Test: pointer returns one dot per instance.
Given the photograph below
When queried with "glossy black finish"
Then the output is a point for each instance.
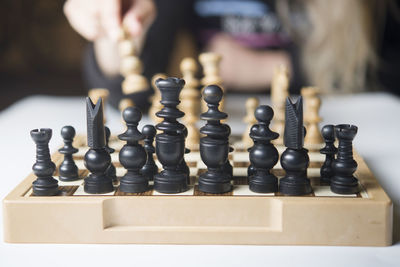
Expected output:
(295, 163)
(68, 170)
(132, 156)
(182, 166)
(343, 181)
(95, 124)
(97, 160)
(294, 160)
(45, 184)
(250, 170)
(111, 171)
(263, 155)
(328, 133)
(150, 168)
(170, 145)
(228, 168)
(214, 147)
(294, 130)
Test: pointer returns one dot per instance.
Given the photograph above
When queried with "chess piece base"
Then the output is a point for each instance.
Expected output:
(170, 182)
(45, 188)
(134, 183)
(288, 186)
(215, 183)
(344, 185)
(98, 184)
(263, 184)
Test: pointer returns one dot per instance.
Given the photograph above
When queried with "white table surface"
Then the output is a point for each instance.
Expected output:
(376, 114)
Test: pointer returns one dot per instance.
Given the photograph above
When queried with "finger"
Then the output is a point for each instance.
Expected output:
(139, 16)
(110, 18)
(82, 18)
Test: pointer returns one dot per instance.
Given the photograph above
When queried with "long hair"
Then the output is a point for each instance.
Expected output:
(337, 40)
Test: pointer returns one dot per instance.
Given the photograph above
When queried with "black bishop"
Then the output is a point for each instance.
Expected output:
(214, 147)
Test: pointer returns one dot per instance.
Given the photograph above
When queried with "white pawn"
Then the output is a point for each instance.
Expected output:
(131, 66)
(311, 116)
(190, 99)
(211, 64)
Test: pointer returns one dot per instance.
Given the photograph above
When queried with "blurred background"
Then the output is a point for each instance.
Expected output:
(40, 52)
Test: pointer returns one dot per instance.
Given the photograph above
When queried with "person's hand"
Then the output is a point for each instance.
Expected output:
(95, 19)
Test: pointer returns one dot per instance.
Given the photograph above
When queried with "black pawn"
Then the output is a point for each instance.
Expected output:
(111, 171)
(294, 159)
(343, 181)
(45, 184)
(170, 145)
(97, 159)
(263, 155)
(132, 155)
(68, 170)
(150, 168)
(214, 147)
(328, 133)
(250, 170)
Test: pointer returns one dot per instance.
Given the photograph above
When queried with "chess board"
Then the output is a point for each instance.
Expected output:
(194, 217)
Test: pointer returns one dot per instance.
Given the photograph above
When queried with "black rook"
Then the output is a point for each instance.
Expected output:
(343, 181)
(45, 184)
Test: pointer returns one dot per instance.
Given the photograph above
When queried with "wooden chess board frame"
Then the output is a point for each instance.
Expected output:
(241, 217)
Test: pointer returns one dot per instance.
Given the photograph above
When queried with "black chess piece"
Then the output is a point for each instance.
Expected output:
(344, 166)
(132, 155)
(45, 184)
(250, 170)
(111, 171)
(294, 159)
(214, 147)
(263, 154)
(328, 133)
(68, 170)
(97, 159)
(182, 166)
(170, 145)
(150, 168)
(228, 169)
